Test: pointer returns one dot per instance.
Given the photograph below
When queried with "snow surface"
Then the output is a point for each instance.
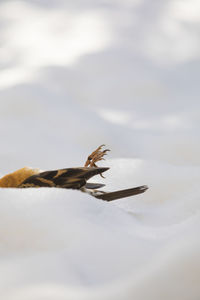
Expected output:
(75, 75)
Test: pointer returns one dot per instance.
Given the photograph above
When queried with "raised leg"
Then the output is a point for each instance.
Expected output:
(96, 156)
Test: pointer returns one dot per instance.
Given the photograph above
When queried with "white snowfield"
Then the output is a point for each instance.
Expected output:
(76, 74)
(64, 244)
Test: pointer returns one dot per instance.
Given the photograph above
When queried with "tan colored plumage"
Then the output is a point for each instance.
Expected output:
(16, 178)
(70, 178)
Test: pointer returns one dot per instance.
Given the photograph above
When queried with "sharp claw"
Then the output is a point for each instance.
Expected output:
(96, 156)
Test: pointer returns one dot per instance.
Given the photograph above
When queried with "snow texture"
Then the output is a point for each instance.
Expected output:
(75, 75)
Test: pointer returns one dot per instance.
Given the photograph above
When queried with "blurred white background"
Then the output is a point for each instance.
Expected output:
(76, 74)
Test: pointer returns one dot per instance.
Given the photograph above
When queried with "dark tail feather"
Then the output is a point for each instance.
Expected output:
(123, 193)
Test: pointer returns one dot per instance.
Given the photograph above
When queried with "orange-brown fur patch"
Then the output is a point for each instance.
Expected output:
(16, 178)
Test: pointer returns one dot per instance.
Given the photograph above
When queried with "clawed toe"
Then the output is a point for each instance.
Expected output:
(96, 156)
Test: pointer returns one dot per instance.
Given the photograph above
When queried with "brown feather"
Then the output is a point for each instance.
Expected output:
(72, 178)
(122, 193)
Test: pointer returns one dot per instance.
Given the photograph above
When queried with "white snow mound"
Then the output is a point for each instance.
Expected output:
(65, 244)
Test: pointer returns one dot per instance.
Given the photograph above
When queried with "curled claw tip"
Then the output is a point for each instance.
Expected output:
(104, 151)
(99, 148)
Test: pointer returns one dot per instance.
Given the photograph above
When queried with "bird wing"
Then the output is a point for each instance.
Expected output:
(76, 178)
(72, 178)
